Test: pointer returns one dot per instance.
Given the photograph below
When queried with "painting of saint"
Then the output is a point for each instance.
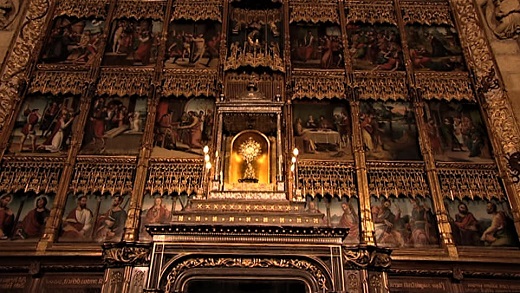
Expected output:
(193, 45)
(115, 126)
(183, 127)
(316, 46)
(482, 223)
(73, 41)
(33, 217)
(344, 213)
(156, 210)
(133, 43)
(44, 125)
(434, 48)
(322, 131)
(457, 132)
(375, 47)
(404, 222)
(389, 131)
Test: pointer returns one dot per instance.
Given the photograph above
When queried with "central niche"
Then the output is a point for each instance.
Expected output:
(249, 160)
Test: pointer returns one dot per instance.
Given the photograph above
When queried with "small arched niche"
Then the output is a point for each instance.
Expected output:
(250, 158)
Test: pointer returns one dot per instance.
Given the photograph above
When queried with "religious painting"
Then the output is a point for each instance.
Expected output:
(73, 41)
(23, 215)
(115, 126)
(389, 131)
(481, 223)
(322, 130)
(193, 44)
(133, 42)
(404, 222)
(457, 132)
(375, 47)
(344, 213)
(316, 46)
(94, 218)
(44, 125)
(183, 127)
(434, 48)
(161, 210)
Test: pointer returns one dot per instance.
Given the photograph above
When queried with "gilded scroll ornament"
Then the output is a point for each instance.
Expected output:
(115, 176)
(319, 86)
(314, 11)
(175, 176)
(375, 12)
(382, 85)
(198, 10)
(20, 56)
(502, 17)
(199, 83)
(140, 9)
(316, 272)
(82, 9)
(58, 82)
(367, 257)
(417, 12)
(470, 181)
(327, 178)
(254, 56)
(396, 179)
(37, 174)
(444, 86)
(125, 255)
(124, 82)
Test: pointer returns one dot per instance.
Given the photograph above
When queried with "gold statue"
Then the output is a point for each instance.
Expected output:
(250, 149)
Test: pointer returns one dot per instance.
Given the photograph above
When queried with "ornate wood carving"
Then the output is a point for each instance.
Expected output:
(386, 179)
(36, 174)
(140, 9)
(125, 82)
(124, 255)
(316, 85)
(190, 83)
(198, 10)
(332, 178)
(79, 9)
(176, 176)
(269, 85)
(314, 11)
(367, 257)
(59, 82)
(444, 86)
(373, 12)
(381, 85)
(418, 12)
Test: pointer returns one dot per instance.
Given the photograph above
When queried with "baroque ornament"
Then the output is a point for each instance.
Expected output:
(126, 255)
(367, 257)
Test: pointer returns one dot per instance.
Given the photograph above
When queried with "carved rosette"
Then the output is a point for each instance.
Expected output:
(192, 83)
(444, 86)
(322, 178)
(283, 263)
(198, 10)
(103, 175)
(36, 174)
(373, 12)
(175, 176)
(124, 82)
(314, 11)
(19, 57)
(459, 181)
(319, 86)
(385, 179)
(79, 9)
(58, 82)
(417, 12)
(368, 257)
(140, 9)
(116, 255)
(381, 85)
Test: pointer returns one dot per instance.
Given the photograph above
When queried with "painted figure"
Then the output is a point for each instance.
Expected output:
(77, 224)
(465, 227)
(110, 226)
(33, 224)
(6, 216)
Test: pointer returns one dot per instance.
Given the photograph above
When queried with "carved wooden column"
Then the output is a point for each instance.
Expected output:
(127, 267)
(365, 269)
(503, 128)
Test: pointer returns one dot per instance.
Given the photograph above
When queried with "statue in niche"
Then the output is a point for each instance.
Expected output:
(502, 17)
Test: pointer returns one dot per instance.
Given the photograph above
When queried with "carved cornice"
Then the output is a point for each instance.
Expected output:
(105, 160)
(58, 82)
(331, 178)
(368, 257)
(140, 9)
(14, 76)
(444, 86)
(168, 178)
(397, 179)
(316, 85)
(373, 12)
(82, 9)
(470, 183)
(109, 177)
(314, 11)
(126, 254)
(190, 83)
(36, 175)
(198, 10)
(381, 85)
(121, 82)
(419, 12)
(247, 16)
